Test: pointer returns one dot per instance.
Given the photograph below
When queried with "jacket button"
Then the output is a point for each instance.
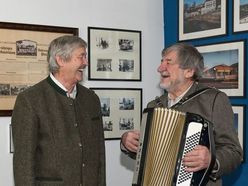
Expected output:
(75, 124)
(80, 145)
(83, 164)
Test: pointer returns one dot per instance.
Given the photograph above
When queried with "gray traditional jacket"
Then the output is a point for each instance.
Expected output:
(58, 141)
(214, 106)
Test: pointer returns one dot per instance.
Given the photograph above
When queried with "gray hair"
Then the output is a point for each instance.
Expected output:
(188, 57)
(63, 46)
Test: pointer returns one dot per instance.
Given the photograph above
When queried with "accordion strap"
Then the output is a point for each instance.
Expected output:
(190, 97)
(183, 100)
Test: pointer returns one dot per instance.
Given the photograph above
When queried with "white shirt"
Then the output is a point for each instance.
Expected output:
(172, 102)
(72, 94)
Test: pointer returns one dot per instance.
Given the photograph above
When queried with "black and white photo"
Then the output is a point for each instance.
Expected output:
(126, 103)
(104, 65)
(108, 126)
(126, 124)
(105, 106)
(126, 65)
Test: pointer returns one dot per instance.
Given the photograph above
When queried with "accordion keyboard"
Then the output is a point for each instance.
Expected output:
(192, 139)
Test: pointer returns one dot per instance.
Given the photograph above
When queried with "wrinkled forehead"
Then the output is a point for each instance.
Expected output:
(79, 50)
(169, 54)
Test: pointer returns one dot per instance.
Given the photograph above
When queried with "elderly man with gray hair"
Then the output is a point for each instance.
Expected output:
(180, 69)
(57, 124)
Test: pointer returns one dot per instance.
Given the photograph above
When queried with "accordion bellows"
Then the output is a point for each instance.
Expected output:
(166, 133)
(161, 159)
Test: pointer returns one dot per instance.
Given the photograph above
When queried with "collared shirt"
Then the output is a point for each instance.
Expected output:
(172, 102)
(72, 94)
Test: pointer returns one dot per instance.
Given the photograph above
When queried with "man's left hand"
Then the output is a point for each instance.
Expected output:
(197, 159)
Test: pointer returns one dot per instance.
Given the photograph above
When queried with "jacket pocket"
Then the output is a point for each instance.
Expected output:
(47, 181)
(96, 118)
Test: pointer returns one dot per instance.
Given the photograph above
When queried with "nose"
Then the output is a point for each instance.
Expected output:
(162, 66)
(85, 62)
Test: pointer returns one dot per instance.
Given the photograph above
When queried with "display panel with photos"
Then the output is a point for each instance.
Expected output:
(121, 110)
(114, 54)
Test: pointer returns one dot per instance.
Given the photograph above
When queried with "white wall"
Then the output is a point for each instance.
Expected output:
(144, 15)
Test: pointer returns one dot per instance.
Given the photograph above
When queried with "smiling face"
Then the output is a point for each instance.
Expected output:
(173, 78)
(71, 71)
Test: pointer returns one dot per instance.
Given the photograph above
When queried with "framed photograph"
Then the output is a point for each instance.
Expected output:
(239, 122)
(201, 19)
(240, 15)
(23, 49)
(224, 67)
(121, 110)
(11, 145)
(114, 54)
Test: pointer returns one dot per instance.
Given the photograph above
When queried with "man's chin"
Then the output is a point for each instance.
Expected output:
(80, 77)
(163, 86)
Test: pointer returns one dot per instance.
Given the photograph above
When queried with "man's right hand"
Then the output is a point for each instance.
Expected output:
(130, 140)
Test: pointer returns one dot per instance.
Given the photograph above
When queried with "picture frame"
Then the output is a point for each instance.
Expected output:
(224, 67)
(114, 54)
(240, 15)
(121, 110)
(11, 145)
(239, 111)
(23, 49)
(201, 19)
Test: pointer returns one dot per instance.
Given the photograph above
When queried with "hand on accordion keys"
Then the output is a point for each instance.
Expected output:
(197, 159)
(130, 140)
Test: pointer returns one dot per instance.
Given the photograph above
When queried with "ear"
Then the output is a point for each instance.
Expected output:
(189, 73)
(59, 61)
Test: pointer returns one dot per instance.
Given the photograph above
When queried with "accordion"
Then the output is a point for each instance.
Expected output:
(166, 136)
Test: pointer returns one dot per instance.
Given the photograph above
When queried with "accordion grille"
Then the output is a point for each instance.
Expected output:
(163, 145)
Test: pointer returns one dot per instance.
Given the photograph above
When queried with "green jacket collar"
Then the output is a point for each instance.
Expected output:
(55, 86)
